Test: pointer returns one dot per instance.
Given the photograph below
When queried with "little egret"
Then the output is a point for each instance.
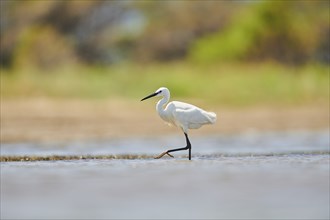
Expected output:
(182, 115)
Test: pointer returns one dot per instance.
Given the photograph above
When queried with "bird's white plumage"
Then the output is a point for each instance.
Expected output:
(180, 114)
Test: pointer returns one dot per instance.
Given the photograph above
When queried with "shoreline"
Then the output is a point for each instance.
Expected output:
(42, 120)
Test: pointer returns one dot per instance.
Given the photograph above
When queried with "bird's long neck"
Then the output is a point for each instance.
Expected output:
(160, 106)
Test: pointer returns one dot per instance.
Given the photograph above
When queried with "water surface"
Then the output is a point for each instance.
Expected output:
(252, 175)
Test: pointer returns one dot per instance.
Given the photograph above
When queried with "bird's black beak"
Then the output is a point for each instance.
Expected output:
(149, 96)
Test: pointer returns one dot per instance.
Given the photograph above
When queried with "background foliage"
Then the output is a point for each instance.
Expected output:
(231, 52)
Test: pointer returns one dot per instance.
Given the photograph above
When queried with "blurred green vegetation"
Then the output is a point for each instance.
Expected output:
(287, 31)
(219, 52)
(229, 84)
(49, 33)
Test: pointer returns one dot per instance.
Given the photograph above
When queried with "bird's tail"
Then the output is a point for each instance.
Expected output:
(212, 117)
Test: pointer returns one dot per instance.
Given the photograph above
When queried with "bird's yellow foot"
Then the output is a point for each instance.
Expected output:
(162, 154)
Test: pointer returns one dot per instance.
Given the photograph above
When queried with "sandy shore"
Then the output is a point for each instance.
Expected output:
(48, 120)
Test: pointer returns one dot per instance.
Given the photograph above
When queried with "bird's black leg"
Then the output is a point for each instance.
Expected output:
(188, 147)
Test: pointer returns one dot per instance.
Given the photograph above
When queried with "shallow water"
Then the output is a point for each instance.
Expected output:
(253, 175)
(247, 143)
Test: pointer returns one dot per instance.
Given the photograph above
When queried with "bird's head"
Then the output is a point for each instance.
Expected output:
(162, 91)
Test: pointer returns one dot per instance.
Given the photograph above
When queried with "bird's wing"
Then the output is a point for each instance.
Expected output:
(189, 116)
(192, 118)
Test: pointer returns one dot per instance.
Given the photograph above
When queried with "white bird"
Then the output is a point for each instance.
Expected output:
(182, 115)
